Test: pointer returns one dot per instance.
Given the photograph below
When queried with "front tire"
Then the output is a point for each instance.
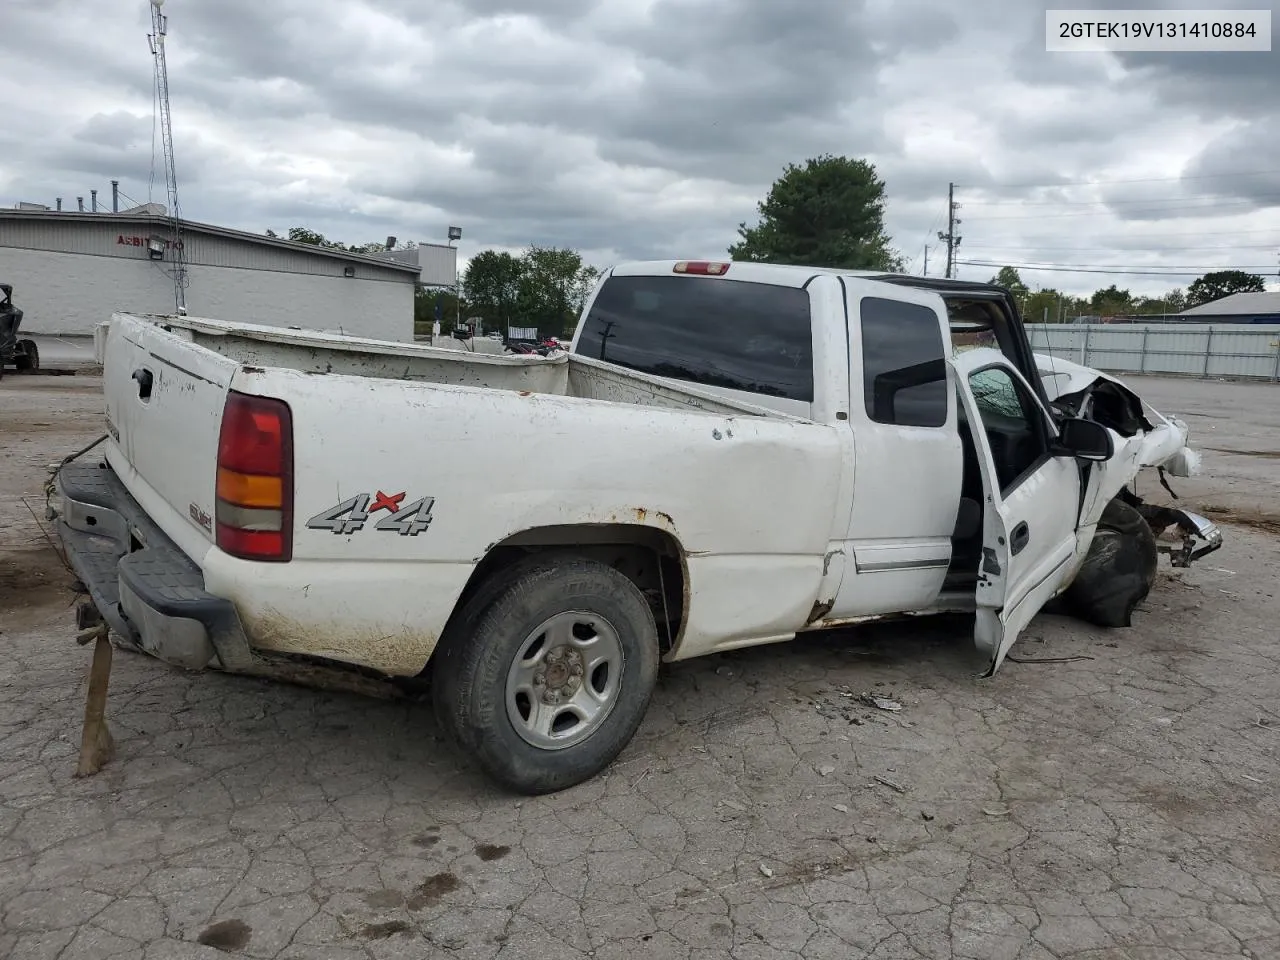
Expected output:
(1118, 571)
(548, 672)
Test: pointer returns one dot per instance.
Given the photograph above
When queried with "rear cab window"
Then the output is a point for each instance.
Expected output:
(751, 338)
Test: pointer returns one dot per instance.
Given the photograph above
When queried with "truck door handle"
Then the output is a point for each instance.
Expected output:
(144, 379)
(1020, 537)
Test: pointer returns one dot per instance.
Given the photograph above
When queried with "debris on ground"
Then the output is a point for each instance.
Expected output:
(891, 785)
(881, 703)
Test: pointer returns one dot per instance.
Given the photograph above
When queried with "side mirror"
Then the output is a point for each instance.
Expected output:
(1084, 440)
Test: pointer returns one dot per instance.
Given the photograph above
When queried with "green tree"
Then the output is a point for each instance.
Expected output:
(379, 246)
(425, 300)
(827, 213)
(306, 235)
(1111, 302)
(1050, 303)
(553, 286)
(1010, 279)
(491, 285)
(1175, 301)
(315, 239)
(368, 249)
(1223, 283)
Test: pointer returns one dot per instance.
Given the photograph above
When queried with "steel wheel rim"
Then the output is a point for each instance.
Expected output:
(564, 680)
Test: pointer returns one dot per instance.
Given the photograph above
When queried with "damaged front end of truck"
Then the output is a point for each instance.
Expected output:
(1145, 440)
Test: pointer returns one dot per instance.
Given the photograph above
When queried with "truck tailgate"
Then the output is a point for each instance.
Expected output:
(165, 397)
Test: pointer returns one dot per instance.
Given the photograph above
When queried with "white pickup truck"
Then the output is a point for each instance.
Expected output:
(727, 455)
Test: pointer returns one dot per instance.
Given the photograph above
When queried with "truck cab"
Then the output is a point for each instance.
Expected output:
(964, 488)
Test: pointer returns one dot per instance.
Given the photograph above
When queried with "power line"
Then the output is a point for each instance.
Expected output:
(1118, 271)
(1025, 245)
(928, 233)
(1091, 183)
(1174, 209)
(1139, 266)
(1164, 233)
(1093, 203)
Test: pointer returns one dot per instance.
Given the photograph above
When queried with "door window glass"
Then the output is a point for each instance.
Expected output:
(1012, 422)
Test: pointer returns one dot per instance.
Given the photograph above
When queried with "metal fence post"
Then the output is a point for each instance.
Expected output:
(1276, 374)
(1084, 347)
(1208, 349)
(1142, 353)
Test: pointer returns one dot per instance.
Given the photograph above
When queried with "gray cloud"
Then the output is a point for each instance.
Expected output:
(647, 128)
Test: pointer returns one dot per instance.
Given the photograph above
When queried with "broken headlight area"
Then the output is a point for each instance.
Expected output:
(1200, 536)
(1109, 404)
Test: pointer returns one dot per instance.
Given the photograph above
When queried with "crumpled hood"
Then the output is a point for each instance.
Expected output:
(1161, 440)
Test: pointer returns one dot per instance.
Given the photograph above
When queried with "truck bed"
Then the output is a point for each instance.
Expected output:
(565, 375)
(393, 470)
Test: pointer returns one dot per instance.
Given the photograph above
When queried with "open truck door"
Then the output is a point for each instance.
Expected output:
(1032, 496)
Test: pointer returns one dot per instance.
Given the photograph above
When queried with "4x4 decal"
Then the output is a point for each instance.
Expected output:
(351, 515)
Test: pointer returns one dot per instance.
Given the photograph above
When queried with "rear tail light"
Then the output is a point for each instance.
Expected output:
(255, 479)
(702, 268)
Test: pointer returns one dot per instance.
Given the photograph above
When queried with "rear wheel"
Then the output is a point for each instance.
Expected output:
(1118, 571)
(547, 673)
(27, 359)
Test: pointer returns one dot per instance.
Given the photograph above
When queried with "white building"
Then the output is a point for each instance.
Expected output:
(71, 270)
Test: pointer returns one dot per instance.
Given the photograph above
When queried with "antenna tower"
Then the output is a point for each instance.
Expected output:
(159, 30)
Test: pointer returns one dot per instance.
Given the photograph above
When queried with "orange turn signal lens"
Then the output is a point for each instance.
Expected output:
(250, 490)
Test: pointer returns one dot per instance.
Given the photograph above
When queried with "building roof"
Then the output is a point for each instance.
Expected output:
(1237, 303)
(149, 220)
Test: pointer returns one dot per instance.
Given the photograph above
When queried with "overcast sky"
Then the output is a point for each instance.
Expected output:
(651, 128)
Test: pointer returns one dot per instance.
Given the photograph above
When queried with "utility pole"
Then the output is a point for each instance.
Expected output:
(606, 336)
(160, 30)
(455, 233)
(926, 259)
(951, 239)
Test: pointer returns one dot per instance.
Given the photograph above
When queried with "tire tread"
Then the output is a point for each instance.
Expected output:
(472, 649)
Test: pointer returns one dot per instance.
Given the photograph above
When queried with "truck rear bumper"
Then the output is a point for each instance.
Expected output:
(144, 586)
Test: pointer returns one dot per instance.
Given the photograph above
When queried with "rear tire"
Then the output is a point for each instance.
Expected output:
(547, 672)
(1118, 571)
(27, 360)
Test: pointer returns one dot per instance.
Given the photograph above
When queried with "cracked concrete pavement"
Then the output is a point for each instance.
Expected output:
(1120, 806)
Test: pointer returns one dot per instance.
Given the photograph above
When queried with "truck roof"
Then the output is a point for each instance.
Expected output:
(797, 275)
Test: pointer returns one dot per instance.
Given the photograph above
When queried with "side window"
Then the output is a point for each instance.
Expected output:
(903, 364)
(1012, 421)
